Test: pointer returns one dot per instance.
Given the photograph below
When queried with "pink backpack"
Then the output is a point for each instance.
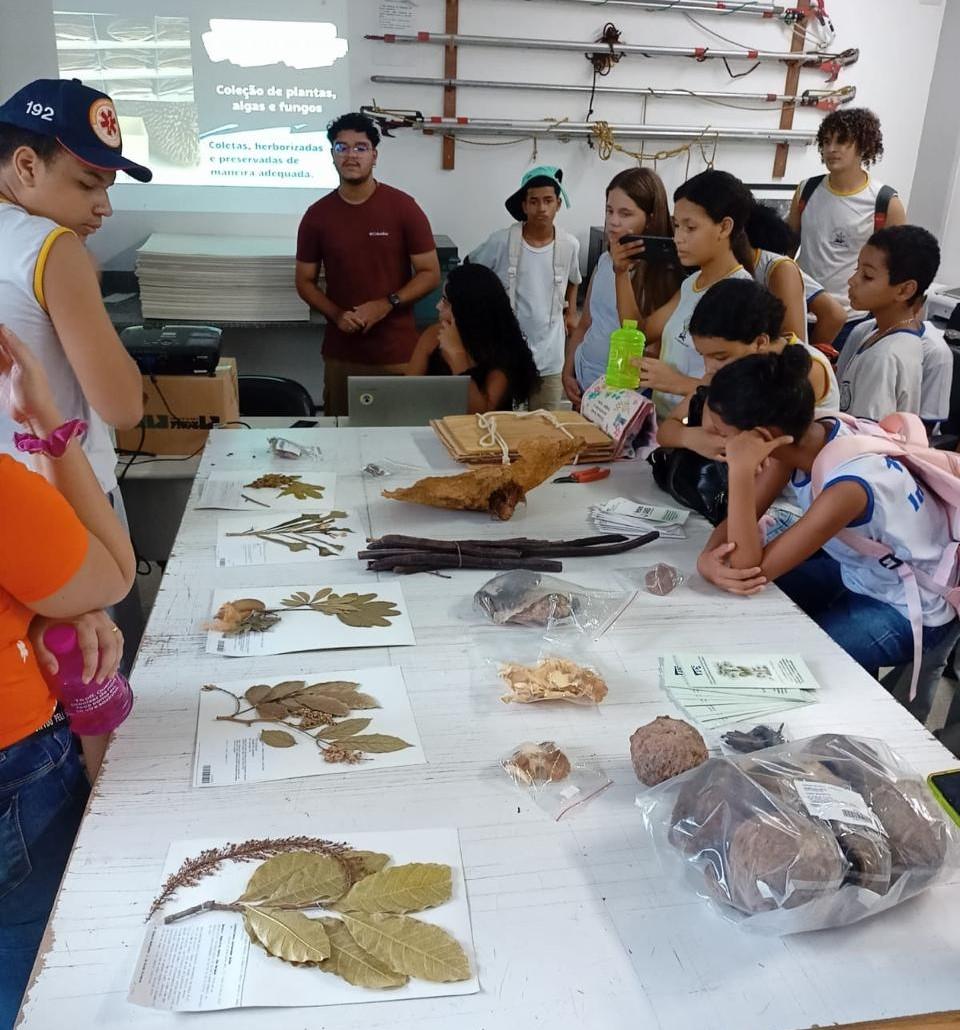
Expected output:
(902, 436)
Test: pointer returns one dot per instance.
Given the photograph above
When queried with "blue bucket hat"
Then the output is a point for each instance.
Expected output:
(82, 120)
(514, 203)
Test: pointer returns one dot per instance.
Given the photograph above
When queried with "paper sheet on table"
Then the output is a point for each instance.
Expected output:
(228, 753)
(737, 671)
(228, 492)
(233, 549)
(621, 515)
(310, 630)
(167, 970)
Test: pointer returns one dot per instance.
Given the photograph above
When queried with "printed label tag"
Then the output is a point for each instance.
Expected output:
(831, 803)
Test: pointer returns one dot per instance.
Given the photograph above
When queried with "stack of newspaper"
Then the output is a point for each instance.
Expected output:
(219, 278)
(634, 518)
(719, 690)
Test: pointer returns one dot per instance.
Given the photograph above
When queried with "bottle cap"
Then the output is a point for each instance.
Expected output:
(629, 323)
(61, 638)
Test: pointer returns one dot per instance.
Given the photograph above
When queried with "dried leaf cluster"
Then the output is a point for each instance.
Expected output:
(251, 615)
(316, 530)
(552, 679)
(301, 707)
(372, 941)
(289, 486)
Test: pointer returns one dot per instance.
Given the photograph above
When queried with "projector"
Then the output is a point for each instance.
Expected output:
(174, 350)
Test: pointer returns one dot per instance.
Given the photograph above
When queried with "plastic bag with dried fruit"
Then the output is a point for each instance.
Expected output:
(550, 780)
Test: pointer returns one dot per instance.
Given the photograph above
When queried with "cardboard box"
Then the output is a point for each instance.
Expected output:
(179, 411)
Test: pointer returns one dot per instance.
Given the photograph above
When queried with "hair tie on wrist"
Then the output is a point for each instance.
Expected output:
(55, 444)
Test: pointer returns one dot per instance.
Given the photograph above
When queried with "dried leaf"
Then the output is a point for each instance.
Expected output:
(301, 596)
(320, 594)
(359, 702)
(297, 878)
(341, 730)
(335, 688)
(285, 689)
(366, 863)
(375, 743)
(302, 491)
(409, 946)
(287, 935)
(272, 710)
(350, 962)
(277, 738)
(405, 888)
(327, 705)
(256, 694)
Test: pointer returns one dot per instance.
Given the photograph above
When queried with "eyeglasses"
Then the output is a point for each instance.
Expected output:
(356, 148)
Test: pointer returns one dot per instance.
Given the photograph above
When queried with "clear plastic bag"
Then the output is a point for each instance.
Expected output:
(524, 598)
(660, 579)
(809, 835)
(522, 668)
(546, 775)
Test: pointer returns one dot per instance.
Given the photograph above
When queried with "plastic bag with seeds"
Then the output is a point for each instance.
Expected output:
(550, 780)
(810, 835)
(524, 598)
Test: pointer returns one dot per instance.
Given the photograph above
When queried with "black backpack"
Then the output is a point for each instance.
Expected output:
(690, 479)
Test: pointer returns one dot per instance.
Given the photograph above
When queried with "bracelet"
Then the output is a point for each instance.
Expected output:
(55, 444)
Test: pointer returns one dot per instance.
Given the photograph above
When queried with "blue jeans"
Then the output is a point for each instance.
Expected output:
(872, 632)
(43, 791)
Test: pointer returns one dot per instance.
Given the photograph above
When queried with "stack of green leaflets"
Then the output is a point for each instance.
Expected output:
(718, 690)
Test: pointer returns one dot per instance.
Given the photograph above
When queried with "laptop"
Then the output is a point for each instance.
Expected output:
(405, 400)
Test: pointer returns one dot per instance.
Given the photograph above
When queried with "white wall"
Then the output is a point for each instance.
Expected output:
(897, 40)
(936, 184)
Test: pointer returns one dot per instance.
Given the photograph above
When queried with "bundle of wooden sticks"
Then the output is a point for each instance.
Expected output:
(408, 554)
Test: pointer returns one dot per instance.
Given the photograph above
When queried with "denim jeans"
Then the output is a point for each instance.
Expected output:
(43, 791)
(872, 632)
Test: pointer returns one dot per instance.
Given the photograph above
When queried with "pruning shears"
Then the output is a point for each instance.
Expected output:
(589, 475)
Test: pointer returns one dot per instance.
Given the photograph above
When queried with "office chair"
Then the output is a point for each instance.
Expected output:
(273, 395)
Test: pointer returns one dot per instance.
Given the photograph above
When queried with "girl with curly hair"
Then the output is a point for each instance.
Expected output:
(478, 335)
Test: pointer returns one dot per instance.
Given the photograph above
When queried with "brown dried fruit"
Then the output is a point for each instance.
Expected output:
(664, 748)
(535, 764)
(552, 679)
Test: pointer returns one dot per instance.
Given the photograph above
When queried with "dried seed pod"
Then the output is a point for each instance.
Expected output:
(665, 747)
(536, 764)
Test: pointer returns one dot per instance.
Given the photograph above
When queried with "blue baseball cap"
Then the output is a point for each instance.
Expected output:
(82, 120)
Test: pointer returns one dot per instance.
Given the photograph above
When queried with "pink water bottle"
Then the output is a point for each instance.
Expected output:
(95, 707)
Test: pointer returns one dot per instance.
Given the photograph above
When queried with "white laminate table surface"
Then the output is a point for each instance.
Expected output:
(575, 924)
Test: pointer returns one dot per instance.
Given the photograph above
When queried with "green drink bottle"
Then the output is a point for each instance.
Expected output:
(626, 343)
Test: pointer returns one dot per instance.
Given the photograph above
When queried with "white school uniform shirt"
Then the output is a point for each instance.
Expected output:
(25, 242)
(883, 377)
(535, 308)
(900, 514)
(936, 379)
(676, 343)
(590, 360)
(765, 261)
(829, 400)
(833, 228)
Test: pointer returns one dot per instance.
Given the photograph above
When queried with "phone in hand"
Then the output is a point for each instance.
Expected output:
(945, 787)
(656, 249)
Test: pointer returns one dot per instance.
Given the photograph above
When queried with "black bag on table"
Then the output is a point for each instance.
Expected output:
(695, 482)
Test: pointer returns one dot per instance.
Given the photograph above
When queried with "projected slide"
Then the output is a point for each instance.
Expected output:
(211, 100)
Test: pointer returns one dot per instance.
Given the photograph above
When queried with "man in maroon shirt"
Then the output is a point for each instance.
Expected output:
(376, 248)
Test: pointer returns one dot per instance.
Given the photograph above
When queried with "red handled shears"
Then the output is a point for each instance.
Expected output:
(589, 475)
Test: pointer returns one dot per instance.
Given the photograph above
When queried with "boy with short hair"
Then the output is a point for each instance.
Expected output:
(880, 369)
(836, 213)
(539, 265)
(60, 150)
(59, 154)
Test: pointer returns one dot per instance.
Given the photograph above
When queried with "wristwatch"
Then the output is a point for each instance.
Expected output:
(394, 299)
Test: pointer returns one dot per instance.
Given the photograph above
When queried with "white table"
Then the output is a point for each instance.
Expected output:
(575, 925)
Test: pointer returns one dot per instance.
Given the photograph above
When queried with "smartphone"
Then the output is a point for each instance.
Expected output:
(946, 789)
(659, 249)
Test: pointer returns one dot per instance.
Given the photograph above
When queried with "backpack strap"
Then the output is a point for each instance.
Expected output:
(882, 204)
(562, 253)
(514, 241)
(808, 187)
